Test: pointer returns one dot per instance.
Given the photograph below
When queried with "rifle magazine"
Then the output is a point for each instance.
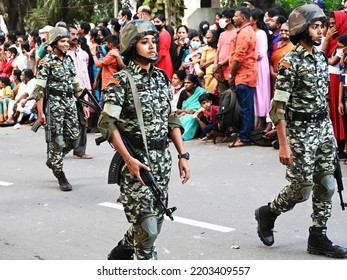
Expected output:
(115, 170)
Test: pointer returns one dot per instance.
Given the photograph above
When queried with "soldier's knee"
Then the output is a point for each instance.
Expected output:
(325, 186)
(60, 142)
(299, 192)
(146, 232)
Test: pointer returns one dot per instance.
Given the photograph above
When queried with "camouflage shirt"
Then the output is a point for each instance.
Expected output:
(302, 81)
(60, 75)
(155, 96)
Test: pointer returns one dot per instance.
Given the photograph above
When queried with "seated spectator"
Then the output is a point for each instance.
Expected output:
(177, 84)
(188, 104)
(16, 80)
(6, 94)
(206, 116)
(24, 103)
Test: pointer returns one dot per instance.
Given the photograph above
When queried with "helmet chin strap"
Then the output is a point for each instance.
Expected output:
(141, 58)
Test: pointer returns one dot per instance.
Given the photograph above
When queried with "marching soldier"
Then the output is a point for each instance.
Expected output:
(138, 46)
(307, 146)
(57, 75)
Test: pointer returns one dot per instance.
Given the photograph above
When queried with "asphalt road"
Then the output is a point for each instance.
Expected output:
(214, 220)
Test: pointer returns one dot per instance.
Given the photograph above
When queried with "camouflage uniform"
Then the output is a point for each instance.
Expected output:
(302, 84)
(155, 96)
(61, 76)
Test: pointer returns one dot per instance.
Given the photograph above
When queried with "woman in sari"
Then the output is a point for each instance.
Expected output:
(188, 104)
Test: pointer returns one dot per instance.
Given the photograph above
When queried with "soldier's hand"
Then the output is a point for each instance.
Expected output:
(134, 167)
(184, 169)
(285, 155)
(41, 118)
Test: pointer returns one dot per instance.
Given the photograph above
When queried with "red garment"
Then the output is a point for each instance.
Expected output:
(339, 122)
(341, 27)
(164, 50)
(7, 67)
(211, 116)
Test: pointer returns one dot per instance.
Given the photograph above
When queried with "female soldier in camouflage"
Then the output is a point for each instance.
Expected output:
(57, 75)
(300, 113)
(138, 46)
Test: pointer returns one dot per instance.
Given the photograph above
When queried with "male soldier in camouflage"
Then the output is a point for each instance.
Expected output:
(307, 146)
(57, 75)
(138, 46)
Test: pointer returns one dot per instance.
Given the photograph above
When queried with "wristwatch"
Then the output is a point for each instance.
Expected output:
(186, 156)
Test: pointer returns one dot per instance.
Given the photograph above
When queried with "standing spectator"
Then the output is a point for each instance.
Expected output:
(44, 48)
(263, 89)
(164, 57)
(305, 134)
(226, 38)
(83, 31)
(280, 49)
(193, 54)
(124, 16)
(160, 123)
(81, 62)
(244, 73)
(274, 23)
(206, 63)
(337, 26)
(179, 46)
(63, 85)
(144, 12)
(111, 63)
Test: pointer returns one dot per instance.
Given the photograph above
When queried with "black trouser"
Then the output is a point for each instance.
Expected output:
(80, 150)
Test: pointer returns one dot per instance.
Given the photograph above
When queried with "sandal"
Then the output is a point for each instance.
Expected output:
(238, 143)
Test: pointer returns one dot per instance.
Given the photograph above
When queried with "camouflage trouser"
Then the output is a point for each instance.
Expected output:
(138, 201)
(65, 129)
(313, 148)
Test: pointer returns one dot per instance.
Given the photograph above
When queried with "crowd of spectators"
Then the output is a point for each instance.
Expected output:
(207, 60)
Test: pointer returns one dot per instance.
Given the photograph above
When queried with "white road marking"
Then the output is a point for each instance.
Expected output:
(179, 219)
(5, 184)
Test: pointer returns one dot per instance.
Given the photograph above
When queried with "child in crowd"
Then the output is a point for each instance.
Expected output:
(206, 115)
(6, 93)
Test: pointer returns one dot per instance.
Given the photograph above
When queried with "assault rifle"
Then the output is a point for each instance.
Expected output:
(118, 162)
(338, 177)
(48, 126)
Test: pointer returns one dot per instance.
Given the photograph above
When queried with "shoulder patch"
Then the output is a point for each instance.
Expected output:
(284, 64)
(114, 81)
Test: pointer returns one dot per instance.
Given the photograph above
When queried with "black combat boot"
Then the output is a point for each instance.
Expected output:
(64, 185)
(319, 244)
(266, 222)
(49, 164)
(120, 253)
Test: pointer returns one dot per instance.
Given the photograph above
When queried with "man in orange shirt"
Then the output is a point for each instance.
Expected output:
(244, 73)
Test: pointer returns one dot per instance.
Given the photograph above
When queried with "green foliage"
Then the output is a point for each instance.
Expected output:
(289, 5)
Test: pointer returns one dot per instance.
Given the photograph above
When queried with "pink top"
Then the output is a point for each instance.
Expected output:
(224, 46)
(81, 60)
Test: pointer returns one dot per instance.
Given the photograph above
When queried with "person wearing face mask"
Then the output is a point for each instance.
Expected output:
(206, 63)
(221, 61)
(164, 61)
(192, 52)
(124, 16)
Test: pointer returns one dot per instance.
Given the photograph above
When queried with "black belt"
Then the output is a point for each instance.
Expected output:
(62, 93)
(307, 117)
(152, 144)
